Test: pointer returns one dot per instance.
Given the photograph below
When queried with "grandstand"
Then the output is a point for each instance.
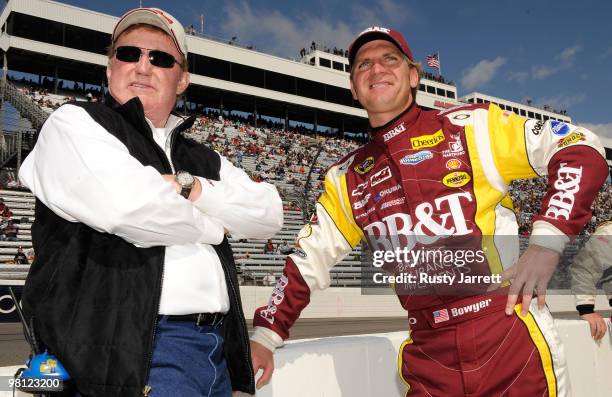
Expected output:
(281, 120)
(301, 111)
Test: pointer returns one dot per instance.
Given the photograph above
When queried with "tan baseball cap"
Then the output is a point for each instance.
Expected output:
(154, 17)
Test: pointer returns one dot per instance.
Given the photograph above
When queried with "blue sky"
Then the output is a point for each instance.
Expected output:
(552, 52)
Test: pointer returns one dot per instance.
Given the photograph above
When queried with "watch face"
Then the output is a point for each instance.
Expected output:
(184, 178)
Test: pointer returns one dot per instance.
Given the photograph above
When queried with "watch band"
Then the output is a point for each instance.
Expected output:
(186, 191)
(185, 186)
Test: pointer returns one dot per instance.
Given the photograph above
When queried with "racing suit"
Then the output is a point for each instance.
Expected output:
(424, 177)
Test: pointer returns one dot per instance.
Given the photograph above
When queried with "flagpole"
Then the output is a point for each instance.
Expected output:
(439, 65)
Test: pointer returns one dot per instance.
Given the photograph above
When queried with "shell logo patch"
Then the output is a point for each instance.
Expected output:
(453, 164)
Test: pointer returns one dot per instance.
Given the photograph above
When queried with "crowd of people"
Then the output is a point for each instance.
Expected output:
(286, 157)
(315, 46)
(9, 231)
(42, 94)
(527, 196)
(438, 78)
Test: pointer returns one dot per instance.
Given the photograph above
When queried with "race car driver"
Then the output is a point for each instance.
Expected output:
(427, 177)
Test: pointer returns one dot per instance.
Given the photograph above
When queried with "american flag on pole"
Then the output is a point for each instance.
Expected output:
(433, 60)
(440, 316)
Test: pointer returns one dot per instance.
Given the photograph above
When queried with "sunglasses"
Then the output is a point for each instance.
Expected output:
(157, 58)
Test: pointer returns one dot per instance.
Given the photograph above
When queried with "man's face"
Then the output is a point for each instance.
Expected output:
(382, 80)
(156, 87)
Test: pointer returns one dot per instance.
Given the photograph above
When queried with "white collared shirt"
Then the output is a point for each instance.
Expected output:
(85, 174)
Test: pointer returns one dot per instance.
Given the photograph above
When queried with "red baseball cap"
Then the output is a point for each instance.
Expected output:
(379, 33)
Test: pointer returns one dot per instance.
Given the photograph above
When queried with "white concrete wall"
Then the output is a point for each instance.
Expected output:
(366, 365)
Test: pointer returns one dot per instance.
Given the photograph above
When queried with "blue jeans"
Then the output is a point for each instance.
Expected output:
(188, 361)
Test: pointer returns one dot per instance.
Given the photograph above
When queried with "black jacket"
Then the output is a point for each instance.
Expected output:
(94, 297)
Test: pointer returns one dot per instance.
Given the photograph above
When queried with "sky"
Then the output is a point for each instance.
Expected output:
(556, 53)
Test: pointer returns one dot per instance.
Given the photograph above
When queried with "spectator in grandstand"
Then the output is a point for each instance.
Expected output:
(284, 248)
(416, 186)
(146, 290)
(5, 211)
(10, 231)
(592, 269)
(30, 254)
(20, 257)
(269, 247)
(269, 279)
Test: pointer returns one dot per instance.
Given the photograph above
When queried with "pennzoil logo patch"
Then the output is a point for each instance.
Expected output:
(427, 140)
(365, 166)
(571, 139)
(456, 179)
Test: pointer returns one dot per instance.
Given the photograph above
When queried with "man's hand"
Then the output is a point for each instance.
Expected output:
(262, 358)
(196, 190)
(531, 274)
(597, 324)
(170, 178)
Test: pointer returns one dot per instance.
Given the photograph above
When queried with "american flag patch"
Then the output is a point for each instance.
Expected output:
(440, 316)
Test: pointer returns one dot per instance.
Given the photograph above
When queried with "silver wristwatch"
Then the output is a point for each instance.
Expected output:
(185, 181)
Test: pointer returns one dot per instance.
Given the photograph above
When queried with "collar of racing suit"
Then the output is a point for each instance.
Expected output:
(396, 125)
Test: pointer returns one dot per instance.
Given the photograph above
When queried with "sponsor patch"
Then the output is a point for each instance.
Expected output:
(361, 203)
(375, 29)
(453, 164)
(537, 127)
(441, 218)
(427, 140)
(574, 137)
(416, 158)
(368, 212)
(461, 116)
(358, 191)
(456, 179)
(365, 166)
(392, 203)
(277, 297)
(455, 147)
(567, 185)
(394, 132)
(380, 176)
(559, 128)
(378, 196)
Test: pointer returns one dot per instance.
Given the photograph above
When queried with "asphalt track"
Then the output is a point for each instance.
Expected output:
(14, 349)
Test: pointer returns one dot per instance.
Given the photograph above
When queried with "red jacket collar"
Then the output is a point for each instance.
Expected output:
(397, 125)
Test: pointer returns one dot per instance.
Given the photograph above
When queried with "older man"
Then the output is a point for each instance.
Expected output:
(134, 286)
(430, 180)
